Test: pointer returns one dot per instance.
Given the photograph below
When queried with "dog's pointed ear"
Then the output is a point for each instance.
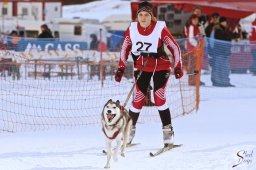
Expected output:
(110, 101)
(118, 103)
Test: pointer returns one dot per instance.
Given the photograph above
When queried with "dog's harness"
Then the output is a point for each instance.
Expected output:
(116, 133)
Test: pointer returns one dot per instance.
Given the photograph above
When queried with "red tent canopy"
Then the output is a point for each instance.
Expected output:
(234, 9)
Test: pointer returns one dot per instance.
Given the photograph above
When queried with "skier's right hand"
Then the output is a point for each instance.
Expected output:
(178, 72)
(119, 74)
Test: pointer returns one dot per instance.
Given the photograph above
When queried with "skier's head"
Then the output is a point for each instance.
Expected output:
(145, 14)
(145, 6)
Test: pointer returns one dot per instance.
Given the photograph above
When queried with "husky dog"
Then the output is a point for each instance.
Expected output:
(116, 125)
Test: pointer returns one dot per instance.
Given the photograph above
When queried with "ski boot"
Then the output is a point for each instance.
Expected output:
(168, 135)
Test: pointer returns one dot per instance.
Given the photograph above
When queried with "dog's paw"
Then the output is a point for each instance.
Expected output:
(106, 166)
(123, 154)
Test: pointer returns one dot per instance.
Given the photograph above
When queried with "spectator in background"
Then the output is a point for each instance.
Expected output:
(213, 22)
(3, 40)
(253, 46)
(220, 67)
(197, 12)
(94, 42)
(209, 33)
(244, 35)
(13, 41)
(237, 33)
(97, 45)
(203, 23)
(56, 34)
(46, 32)
(192, 34)
(103, 47)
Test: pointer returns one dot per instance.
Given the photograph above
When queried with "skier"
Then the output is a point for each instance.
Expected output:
(145, 40)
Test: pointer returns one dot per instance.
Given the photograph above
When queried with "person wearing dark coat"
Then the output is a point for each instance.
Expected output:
(46, 32)
(221, 50)
(208, 31)
(94, 42)
(214, 21)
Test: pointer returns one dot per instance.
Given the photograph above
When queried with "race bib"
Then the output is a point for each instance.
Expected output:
(142, 43)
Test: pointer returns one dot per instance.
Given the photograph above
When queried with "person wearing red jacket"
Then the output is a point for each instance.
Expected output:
(145, 39)
(192, 32)
(253, 45)
(192, 40)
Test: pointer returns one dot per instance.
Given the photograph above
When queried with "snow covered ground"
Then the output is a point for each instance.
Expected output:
(222, 128)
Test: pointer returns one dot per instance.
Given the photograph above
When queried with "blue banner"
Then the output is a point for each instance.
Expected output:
(28, 45)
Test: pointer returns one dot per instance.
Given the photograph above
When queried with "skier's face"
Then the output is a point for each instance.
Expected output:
(144, 19)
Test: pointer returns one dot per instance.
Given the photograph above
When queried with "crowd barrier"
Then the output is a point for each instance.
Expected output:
(56, 84)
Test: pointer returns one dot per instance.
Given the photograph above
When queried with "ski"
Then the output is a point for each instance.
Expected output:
(128, 146)
(164, 149)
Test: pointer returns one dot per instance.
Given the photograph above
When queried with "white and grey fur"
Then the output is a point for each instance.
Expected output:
(116, 126)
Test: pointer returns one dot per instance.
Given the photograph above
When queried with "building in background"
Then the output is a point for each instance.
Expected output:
(26, 16)
(31, 9)
(174, 17)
